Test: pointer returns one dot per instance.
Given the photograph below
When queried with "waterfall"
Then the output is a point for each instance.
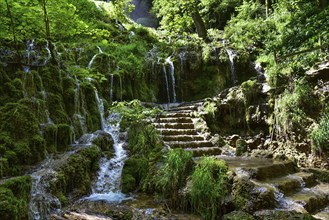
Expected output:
(183, 59)
(48, 52)
(231, 55)
(94, 57)
(111, 89)
(42, 202)
(172, 74)
(107, 185)
(166, 81)
(100, 106)
(29, 49)
(78, 117)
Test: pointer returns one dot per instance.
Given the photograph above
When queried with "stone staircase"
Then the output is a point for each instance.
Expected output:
(178, 130)
(292, 189)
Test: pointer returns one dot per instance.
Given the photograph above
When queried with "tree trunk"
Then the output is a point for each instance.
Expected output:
(48, 35)
(199, 24)
(12, 27)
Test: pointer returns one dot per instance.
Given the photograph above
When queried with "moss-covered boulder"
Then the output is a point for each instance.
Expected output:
(134, 171)
(14, 198)
(104, 141)
(238, 215)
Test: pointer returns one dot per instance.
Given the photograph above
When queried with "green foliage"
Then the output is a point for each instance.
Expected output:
(133, 112)
(14, 198)
(241, 147)
(293, 107)
(320, 134)
(171, 177)
(209, 187)
(134, 173)
(74, 176)
(144, 140)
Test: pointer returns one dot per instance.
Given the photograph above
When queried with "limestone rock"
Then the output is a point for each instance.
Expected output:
(238, 215)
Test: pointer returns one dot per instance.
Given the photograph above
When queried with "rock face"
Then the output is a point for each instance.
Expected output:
(277, 190)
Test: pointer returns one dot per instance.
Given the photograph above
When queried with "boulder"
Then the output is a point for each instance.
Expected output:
(238, 215)
(281, 214)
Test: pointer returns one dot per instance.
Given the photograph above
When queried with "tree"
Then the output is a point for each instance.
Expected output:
(178, 17)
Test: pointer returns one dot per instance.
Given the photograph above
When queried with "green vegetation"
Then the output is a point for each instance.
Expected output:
(75, 175)
(14, 198)
(209, 187)
(320, 134)
(172, 175)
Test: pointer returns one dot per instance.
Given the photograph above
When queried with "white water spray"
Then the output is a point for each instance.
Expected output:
(231, 55)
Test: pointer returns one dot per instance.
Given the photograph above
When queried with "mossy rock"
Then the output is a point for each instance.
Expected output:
(64, 136)
(134, 171)
(238, 215)
(50, 135)
(75, 175)
(104, 141)
(241, 147)
(14, 198)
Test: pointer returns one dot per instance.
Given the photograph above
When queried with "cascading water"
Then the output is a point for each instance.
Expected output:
(48, 54)
(107, 185)
(42, 202)
(231, 55)
(166, 81)
(94, 57)
(172, 74)
(78, 117)
(111, 89)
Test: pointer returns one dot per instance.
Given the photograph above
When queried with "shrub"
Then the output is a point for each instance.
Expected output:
(320, 135)
(172, 175)
(209, 187)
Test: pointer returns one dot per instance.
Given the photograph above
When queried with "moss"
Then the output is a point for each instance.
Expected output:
(105, 142)
(93, 116)
(133, 173)
(241, 147)
(64, 134)
(56, 108)
(37, 147)
(50, 135)
(14, 198)
(74, 177)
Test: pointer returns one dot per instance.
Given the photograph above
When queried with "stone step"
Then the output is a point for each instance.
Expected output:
(174, 120)
(312, 199)
(260, 168)
(322, 214)
(277, 169)
(189, 144)
(292, 182)
(175, 125)
(183, 138)
(184, 108)
(166, 131)
(204, 151)
(176, 114)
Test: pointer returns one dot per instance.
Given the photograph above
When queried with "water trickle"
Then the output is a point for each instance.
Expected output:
(183, 58)
(48, 52)
(42, 202)
(172, 74)
(94, 57)
(232, 54)
(29, 49)
(111, 89)
(166, 81)
(100, 106)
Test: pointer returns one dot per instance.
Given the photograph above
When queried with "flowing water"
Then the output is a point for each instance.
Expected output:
(111, 89)
(107, 185)
(166, 82)
(232, 54)
(42, 202)
(172, 75)
(94, 57)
